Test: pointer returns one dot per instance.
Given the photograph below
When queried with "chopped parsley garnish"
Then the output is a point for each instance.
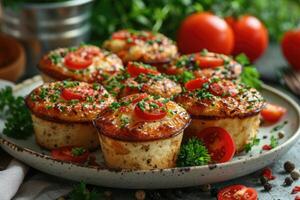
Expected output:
(124, 121)
(78, 151)
(115, 105)
(274, 142)
(193, 153)
(141, 105)
(255, 141)
(203, 94)
(278, 127)
(184, 77)
(70, 84)
(55, 58)
(43, 93)
(90, 99)
(18, 122)
(249, 75)
(96, 86)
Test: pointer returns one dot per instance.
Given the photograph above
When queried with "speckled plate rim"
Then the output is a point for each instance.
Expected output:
(282, 95)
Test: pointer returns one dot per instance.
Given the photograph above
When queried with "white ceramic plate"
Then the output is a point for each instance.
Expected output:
(30, 153)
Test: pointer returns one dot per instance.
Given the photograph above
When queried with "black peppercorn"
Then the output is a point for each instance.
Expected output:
(267, 187)
(288, 181)
(289, 166)
(263, 180)
(295, 174)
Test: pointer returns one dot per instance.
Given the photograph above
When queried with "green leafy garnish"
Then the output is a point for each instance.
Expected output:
(80, 192)
(124, 121)
(78, 151)
(255, 141)
(278, 127)
(274, 142)
(55, 58)
(249, 75)
(18, 122)
(193, 153)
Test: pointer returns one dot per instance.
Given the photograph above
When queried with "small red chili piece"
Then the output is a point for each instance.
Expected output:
(267, 172)
(267, 147)
(297, 197)
(296, 189)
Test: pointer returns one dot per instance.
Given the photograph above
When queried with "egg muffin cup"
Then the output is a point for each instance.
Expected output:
(85, 63)
(131, 140)
(62, 113)
(226, 104)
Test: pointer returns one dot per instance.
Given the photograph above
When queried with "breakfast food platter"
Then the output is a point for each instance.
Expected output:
(244, 163)
(136, 114)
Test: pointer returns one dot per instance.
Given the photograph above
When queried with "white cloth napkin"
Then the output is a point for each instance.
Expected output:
(11, 179)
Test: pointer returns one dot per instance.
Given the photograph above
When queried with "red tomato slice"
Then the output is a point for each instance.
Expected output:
(68, 94)
(65, 154)
(150, 113)
(136, 69)
(208, 62)
(76, 61)
(219, 143)
(120, 35)
(195, 84)
(222, 90)
(272, 113)
(237, 192)
(88, 52)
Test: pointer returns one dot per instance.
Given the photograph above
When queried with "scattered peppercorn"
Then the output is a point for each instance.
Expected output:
(263, 180)
(205, 188)
(267, 187)
(288, 181)
(140, 195)
(280, 134)
(295, 174)
(289, 166)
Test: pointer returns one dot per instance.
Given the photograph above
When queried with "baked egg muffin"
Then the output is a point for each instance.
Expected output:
(141, 132)
(139, 78)
(222, 103)
(205, 64)
(62, 113)
(143, 46)
(86, 63)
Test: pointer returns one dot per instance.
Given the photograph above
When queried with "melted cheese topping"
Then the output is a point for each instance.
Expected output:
(120, 122)
(103, 65)
(202, 103)
(48, 101)
(142, 46)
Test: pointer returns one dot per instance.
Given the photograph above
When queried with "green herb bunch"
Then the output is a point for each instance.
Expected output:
(193, 153)
(18, 122)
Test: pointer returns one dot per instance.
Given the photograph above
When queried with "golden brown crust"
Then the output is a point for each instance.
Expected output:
(230, 69)
(203, 104)
(104, 64)
(141, 46)
(111, 122)
(47, 101)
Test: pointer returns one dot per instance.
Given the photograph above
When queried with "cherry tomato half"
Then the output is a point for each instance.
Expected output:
(208, 62)
(204, 31)
(66, 154)
(237, 192)
(152, 110)
(76, 61)
(290, 46)
(250, 36)
(195, 84)
(219, 143)
(135, 69)
(68, 94)
(272, 113)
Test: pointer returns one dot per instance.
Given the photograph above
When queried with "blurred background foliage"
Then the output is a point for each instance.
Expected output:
(165, 15)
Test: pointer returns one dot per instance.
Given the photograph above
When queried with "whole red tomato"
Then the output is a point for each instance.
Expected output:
(204, 31)
(250, 36)
(290, 46)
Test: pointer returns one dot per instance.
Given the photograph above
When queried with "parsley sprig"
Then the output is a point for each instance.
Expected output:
(18, 122)
(193, 153)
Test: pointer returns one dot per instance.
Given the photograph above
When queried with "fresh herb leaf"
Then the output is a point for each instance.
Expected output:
(255, 141)
(124, 121)
(274, 142)
(78, 151)
(193, 153)
(278, 127)
(18, 122)
(80, 192)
